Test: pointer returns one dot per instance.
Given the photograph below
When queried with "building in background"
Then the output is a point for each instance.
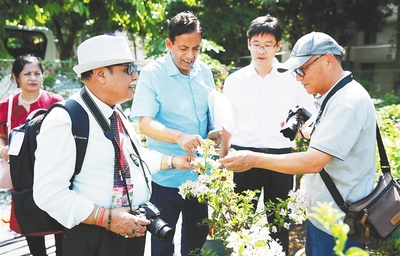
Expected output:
(373, 55)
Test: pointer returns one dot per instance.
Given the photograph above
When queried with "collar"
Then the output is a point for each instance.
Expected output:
(173, 70)
(275, 65)
(319, 99)
(104, 108)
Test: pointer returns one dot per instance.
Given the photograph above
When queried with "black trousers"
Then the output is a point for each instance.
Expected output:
(276, 185)
(94, 240)
(37, 245)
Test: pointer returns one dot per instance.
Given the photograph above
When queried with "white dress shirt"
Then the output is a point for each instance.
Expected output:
(259, 105)
(55, 163)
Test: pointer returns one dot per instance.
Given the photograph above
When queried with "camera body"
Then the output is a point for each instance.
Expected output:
(157, 226)
(296, 117)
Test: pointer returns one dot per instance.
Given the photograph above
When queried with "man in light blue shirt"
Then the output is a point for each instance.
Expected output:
(171, 102)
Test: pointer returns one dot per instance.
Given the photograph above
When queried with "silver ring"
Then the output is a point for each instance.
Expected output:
(126, 236)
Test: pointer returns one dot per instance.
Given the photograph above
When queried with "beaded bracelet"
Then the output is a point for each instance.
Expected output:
(109, 219)
(95, 215)
(100, 220)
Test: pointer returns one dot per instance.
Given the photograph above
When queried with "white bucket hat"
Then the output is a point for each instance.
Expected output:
(308, 45)
(102, 51)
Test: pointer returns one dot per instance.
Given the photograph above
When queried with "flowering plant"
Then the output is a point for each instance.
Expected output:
(331, 219)
(233, 218)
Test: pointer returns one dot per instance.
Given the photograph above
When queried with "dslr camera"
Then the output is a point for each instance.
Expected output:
(157, 226)
(296, 117)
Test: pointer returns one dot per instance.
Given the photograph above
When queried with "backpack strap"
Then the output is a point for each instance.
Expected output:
(80, 130)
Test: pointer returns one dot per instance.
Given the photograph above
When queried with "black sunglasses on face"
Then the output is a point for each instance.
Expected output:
(300, 71)
(131, 68)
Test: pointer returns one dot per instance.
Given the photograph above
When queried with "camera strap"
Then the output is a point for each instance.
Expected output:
(101, 120)
(339, 86)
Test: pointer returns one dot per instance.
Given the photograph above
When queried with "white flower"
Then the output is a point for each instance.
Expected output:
(204, 179)
(199, 189)
(243, 231)
(275, 249)
(200, 150)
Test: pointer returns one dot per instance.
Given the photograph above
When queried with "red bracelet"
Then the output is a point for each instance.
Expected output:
(100, 220)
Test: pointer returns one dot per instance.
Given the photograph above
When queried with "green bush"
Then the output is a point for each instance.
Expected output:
(388, 118)
(388, 99)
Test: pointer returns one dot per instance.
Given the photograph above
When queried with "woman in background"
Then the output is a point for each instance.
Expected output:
(27, 73)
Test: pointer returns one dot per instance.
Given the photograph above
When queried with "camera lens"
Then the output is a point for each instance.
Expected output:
(160, 229)
(291, 127)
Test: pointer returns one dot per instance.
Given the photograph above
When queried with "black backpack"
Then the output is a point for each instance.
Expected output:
(31, 219)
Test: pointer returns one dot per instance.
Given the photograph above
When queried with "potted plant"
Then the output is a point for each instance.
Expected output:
(233, 219)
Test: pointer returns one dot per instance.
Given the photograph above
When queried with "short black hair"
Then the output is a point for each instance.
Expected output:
(183, 23)
(86, 75)
(20, 63)
(265, 25)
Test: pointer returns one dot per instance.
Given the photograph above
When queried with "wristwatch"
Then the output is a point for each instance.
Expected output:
(169, 162)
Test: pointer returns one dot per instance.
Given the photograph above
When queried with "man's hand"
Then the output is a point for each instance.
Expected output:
(127, 225)
(190, 142)
(216, 136)
(238, 161)
(183, 162)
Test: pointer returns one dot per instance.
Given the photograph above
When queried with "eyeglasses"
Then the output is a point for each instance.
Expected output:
(263, 47)
(300, 71)
(131, 68)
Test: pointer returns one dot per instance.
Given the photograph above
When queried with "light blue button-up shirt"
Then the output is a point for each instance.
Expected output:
(177, 101)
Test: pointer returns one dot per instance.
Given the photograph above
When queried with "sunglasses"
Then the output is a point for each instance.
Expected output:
(300, 71)
(131, 68)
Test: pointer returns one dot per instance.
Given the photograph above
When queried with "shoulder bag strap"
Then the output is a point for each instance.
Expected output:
(339, 86)
(10, 104)
(324, 175)
(383, 159)
(333, 189)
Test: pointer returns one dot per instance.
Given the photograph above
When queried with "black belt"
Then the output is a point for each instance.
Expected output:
(265, 150)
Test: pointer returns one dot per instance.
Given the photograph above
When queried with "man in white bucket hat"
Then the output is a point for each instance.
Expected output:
(96, 212)
(342, 142)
